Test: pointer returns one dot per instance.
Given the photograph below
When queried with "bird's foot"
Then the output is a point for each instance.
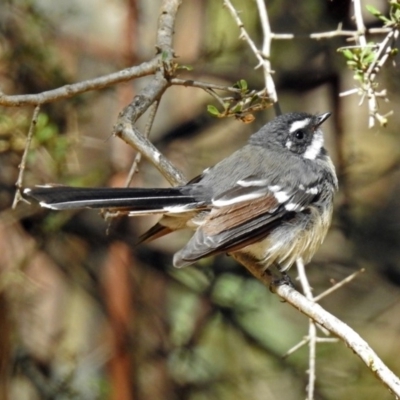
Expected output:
(278, 278)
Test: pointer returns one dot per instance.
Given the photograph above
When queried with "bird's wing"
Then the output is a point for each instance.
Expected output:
(245, 214)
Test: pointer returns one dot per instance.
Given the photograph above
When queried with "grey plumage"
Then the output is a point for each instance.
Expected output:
(271, 199)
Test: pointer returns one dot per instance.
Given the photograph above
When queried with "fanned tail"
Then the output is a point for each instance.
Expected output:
(129, 199)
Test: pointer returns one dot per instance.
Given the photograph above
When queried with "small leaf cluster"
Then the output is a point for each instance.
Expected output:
(393, 20)
(242, 104)
(359, 60)
(47, 137)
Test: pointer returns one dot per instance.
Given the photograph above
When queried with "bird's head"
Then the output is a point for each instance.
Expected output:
(295, 132)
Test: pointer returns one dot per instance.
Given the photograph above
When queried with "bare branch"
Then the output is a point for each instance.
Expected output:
(366, 60)
(338, 328)
(134, 167)
(18, 197)
(67, 91)
(131, 135)
(203, 85)
(125, 126)
(312, 330)
(166, 24)
(266, 51)
(382, 54)
(359, 23)
(328, 34)
(339, 285)
(262, 57)
(296, 347)
(372, 103)
(126, 130)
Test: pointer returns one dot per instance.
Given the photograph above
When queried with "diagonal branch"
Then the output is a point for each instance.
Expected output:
(338, 328)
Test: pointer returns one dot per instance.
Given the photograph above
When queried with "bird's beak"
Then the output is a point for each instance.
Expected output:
(322, 118)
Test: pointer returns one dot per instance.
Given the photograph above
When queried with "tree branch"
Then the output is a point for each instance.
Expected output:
(262, 57)
(67, 91)
(338, 328)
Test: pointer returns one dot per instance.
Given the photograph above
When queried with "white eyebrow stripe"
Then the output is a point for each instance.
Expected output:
(299, 124)
(314, 149)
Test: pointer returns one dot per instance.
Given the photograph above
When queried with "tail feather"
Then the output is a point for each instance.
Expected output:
(133, 199)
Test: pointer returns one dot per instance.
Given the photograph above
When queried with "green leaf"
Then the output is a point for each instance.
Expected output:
(395, 4)
(186, 67)
(373, 11)
(348, 54)
(358, 77)
(213, 110)
(254, 99)
(243, 84)
(237, 108)
(45, 134)
(42, 120)
(369, 58)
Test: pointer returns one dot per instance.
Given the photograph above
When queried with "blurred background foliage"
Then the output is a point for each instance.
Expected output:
(86, 315)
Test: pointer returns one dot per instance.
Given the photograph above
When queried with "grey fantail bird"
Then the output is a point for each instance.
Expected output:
(271, 200)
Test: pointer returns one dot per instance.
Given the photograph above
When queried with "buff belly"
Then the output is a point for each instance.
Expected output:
(300, 237)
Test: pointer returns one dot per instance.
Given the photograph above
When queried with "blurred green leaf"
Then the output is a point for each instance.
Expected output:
(373, 11)
(186, 67)
(241, 84)
(213, 110)
(348, 53)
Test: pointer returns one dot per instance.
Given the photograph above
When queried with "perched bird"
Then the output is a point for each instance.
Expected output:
(271, 200)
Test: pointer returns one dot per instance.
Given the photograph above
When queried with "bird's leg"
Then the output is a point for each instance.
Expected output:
(278, 277)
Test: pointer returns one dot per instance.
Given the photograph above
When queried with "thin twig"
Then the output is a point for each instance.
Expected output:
(382, 54)
(372, 103)
(303, 342)
(215, 96)
(146, 133)
(328, 34)
(203, 85)
(296, 347)
(127, 131)
(312, 330)
(338, 285)
(24, 158)
(262, 57)
(266, 51)
(359, 23)
(349, 92)
(125, 127)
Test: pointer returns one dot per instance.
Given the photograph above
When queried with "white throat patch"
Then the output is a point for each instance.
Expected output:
(315, 146)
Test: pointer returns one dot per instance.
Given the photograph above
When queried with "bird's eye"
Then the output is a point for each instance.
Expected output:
(299, 134)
